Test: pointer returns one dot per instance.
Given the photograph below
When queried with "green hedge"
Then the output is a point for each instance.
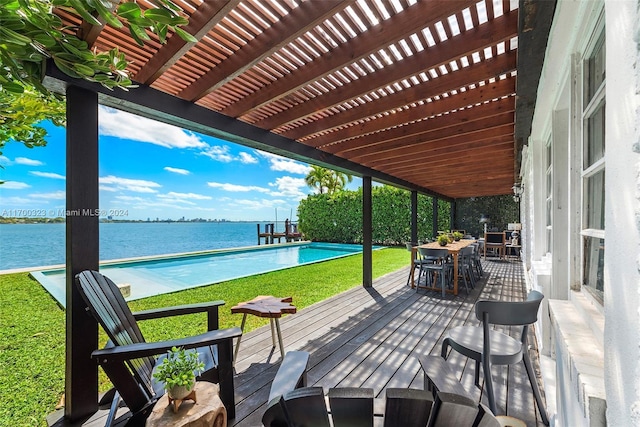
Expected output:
(338, 217)
(500, 209)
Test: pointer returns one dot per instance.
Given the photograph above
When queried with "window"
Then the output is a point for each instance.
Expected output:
(593, 169)
(549, 179)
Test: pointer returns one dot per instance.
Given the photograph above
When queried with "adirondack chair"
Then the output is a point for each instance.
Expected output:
(128, 360)
(292, 404)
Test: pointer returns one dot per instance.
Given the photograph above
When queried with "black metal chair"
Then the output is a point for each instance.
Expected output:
(128, 360)
(490, 347)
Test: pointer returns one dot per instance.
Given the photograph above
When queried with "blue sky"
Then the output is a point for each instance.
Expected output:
(153, 170)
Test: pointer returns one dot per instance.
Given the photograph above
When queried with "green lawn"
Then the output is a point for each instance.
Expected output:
(32, 324)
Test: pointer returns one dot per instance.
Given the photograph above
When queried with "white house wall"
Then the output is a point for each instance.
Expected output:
(596, 347)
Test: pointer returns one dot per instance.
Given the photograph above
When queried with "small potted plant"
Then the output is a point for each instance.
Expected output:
(457, 235)
(178, 372)
(443, 240)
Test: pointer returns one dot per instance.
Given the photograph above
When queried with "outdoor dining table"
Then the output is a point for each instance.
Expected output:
(453, 248)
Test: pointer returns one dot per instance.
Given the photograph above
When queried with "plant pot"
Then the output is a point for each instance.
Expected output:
(442, 243)
(179, 392)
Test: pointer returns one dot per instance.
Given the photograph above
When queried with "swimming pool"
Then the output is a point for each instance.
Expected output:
(159, 275)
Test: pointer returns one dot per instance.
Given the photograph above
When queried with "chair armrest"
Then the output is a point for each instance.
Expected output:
(133, 351)
(291, 374)
(211, 307)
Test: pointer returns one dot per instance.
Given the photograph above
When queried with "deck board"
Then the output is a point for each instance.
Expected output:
(373, 338)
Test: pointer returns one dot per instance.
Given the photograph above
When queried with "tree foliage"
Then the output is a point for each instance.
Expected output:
(20, 115)
(32, 33)
(326, 180)
(500, 209)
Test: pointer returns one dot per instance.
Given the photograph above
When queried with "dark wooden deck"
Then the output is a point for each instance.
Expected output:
(373, 338)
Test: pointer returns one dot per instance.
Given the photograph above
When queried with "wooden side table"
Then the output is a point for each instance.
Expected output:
(265, 306)
(208, 411)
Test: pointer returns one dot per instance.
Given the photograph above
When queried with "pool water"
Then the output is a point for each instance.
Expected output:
(172, 273)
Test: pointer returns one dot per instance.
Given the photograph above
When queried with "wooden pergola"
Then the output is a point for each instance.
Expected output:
(435, 96)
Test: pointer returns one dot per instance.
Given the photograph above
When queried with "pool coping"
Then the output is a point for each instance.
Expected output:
(59, 295)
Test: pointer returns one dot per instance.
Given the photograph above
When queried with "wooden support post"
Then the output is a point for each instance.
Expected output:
(414, 217)
(434, 207)
(452, 216)
(82, 250)
(367, 232)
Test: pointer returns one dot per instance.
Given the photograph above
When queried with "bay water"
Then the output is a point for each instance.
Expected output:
(37, 245)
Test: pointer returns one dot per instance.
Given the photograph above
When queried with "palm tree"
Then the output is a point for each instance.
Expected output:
(328, 180)
(318, 178)
(337, 181)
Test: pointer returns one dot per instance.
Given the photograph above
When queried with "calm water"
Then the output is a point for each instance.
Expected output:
(34, 245)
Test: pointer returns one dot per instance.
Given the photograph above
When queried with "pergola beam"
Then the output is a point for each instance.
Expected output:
(476, 39)
(474, 74)
(209, 13)
(280, 34)
(397, 27)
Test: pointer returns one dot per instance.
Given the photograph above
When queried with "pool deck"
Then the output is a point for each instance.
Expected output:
(372, 338)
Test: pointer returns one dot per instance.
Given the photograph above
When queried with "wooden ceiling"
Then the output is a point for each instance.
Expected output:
(424, 91)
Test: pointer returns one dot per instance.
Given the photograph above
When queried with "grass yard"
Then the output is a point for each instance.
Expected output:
(32, 324)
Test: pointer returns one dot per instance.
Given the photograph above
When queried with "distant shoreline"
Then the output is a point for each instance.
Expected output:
(61, 220)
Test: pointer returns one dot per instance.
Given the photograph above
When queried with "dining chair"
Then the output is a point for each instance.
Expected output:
(495, 240)
(415, 263)
(465, 268)
(491, 347)
(436, 264)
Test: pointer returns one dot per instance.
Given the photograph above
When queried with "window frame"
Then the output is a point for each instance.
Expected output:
(588, 110)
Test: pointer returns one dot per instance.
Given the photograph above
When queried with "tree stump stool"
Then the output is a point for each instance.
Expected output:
(265, 306)
(208, 411)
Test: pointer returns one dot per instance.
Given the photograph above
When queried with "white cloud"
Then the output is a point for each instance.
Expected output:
(290, 187)
(183, 196)
(14, 200)
(128, 126)
(5, 161)
(130, 199)
(219, 153)
(259, 204)
(135, 185)
(247, 158)
(56, 195)
(107, 188)
(14, 185)
(237, 188)
(177, 170)
(28, 162)
(282, 164)
(47, 175)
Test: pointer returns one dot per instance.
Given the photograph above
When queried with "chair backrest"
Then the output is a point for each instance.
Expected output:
(301, 407)
(108, 307)
(495, 237)
(434, 253)
(514, 313)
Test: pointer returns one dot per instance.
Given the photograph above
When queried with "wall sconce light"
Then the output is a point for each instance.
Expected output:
(518, 189)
